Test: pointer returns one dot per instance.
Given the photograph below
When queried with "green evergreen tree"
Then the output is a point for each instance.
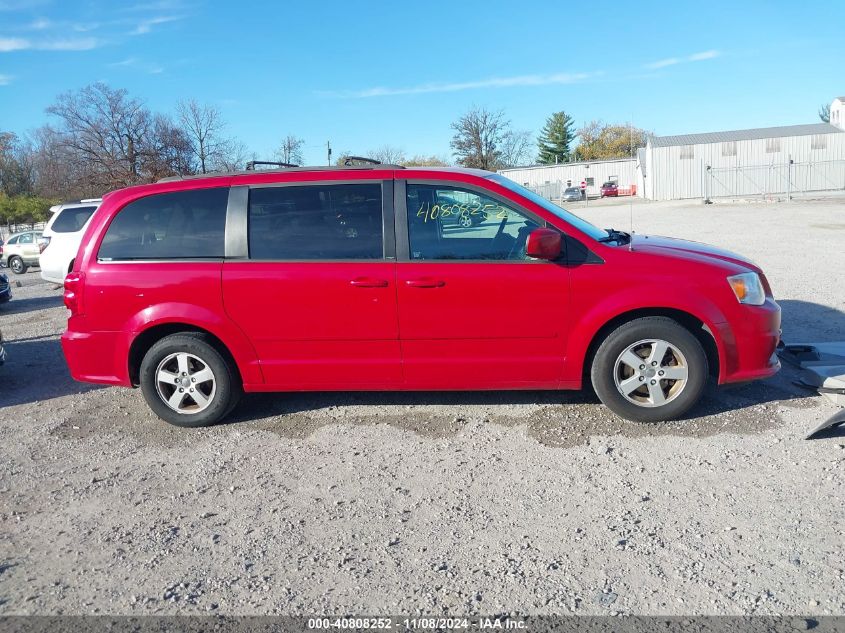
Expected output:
(555, 139)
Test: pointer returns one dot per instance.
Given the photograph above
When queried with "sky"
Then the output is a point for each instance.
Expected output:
(365, 73)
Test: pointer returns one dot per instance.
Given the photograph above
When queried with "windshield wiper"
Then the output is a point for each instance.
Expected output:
(616, 236)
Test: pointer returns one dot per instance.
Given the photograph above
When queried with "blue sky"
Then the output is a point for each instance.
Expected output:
(368, 73)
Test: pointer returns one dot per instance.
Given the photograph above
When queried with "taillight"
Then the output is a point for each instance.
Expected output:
(43, 243)
(74, 283)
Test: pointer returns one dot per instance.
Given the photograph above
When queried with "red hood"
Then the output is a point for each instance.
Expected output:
(658, 245)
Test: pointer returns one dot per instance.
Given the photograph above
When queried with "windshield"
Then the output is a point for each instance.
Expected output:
(580, 224)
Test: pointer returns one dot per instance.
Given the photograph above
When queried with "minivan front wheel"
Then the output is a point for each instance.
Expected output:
(650, 369)
(187, 382)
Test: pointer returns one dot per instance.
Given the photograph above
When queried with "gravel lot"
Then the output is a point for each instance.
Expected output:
(534, 503)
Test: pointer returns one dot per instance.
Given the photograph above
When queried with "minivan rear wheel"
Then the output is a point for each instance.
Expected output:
(649, 370)
(187, 382)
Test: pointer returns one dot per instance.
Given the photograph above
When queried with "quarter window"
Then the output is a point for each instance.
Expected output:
(449, 223)
(323, 222)
(72, 219)
(178, 225)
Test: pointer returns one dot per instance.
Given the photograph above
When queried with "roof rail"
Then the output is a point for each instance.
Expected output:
(249, 172)
(250, 166)
(355, 161)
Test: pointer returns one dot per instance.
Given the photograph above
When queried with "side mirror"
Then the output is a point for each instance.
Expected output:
(543, 244)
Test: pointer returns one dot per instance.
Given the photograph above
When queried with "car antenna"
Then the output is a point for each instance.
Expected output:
(631, 199)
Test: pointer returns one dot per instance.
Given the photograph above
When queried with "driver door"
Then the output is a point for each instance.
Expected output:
(474, 311)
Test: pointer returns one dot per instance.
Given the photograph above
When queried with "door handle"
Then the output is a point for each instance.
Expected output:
(369, 282)
(425, 282)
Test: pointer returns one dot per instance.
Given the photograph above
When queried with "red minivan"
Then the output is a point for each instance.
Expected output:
(197, 289)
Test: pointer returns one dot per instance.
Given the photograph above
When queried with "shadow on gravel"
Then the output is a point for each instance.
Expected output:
(35, 370)
(19, 306)
(806, 322)
(562, 419)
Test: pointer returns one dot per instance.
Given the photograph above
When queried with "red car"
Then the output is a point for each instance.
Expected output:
(609, 189)
(197, 289)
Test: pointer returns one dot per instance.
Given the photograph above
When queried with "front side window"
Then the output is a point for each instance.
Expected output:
(179, 225)
(316, 222)
(72, 219)
(450, 223)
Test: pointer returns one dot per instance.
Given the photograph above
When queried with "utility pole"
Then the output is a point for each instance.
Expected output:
(329, 152)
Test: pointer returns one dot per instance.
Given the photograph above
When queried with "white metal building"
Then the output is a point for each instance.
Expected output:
(745, 162)
(757, 162)
(549, 180)
(837, 113)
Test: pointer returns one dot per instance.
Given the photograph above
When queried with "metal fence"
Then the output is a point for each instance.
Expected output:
(7, 230)
(549, 190)
(786, 179)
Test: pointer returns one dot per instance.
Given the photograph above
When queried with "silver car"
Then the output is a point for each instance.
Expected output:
(572, 194)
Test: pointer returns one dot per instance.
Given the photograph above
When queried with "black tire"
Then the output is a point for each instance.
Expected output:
(605, 372)
(226, 391)
(17, 265)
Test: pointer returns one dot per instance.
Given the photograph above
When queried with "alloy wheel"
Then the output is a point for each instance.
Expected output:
(185, 383)
(651, 373)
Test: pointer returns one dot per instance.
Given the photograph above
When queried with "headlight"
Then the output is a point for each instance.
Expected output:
(748, 288)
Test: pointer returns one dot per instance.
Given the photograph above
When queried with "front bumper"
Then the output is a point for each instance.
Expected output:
(750, 343)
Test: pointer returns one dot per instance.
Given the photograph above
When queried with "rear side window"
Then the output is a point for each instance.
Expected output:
(72, 219)
(178, 225)
(316, 222)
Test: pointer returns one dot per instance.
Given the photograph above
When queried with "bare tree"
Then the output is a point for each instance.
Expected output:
(290, 151)
(477, 138)
(387, 154)
(105, 130)
(105, 135)
(169, 150)
(236, 156)
(16, 167)
(516, 148)
(106, 139)
(203, 126)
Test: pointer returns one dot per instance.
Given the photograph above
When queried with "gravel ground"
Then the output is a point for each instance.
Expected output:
(467, 503)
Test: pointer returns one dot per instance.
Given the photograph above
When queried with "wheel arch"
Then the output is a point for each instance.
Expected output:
(713, 347)
(145, 340)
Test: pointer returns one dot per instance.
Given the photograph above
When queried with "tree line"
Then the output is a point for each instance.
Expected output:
(485, 139)
(101, 138)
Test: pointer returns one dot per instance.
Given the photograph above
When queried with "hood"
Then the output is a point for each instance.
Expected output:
(658, 245)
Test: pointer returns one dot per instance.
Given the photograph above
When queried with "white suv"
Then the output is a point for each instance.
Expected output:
(61, 237)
